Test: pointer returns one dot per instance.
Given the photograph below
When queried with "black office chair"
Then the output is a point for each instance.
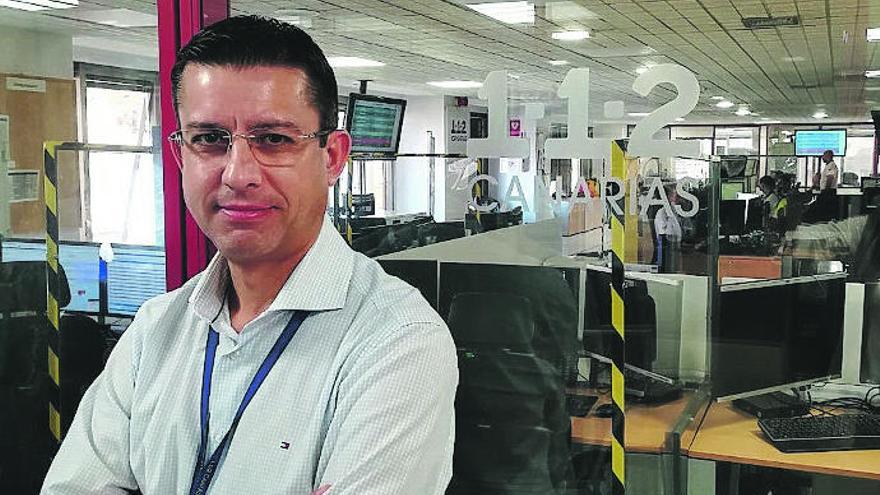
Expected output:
(513, 433)
(24, 379)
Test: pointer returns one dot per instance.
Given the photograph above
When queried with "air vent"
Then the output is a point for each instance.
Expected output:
(771, 22)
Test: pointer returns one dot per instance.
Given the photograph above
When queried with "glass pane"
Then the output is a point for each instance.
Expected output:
(118, 116)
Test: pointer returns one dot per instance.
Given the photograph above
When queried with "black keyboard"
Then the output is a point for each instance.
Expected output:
(823, 433)
(579, 405)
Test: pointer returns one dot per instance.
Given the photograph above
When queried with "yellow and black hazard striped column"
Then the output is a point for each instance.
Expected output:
(50, 195)
(618, 347)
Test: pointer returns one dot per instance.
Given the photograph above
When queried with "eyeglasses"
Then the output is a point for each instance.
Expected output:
(273, 147)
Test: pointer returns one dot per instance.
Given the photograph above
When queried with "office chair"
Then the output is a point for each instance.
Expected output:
(512, 430)
(24, 330)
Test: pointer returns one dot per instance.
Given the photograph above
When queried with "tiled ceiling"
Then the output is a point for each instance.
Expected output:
(783, 73)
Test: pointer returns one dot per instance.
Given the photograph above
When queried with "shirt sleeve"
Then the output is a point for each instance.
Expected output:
(94, 456)
(833, 240)
(393, 429)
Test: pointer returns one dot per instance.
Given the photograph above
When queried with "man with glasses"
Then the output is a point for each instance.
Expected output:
(291, 365)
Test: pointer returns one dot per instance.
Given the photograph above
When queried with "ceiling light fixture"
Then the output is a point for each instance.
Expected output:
(35, 5)
(794, 59)
(872, 73)
(743, 111)
(570, 35)
(456, 84)
(724, 104)
(507, 12)
(873, 34)
(679, 119)
(639, 114)
(558, 62)
(821, 114)
(719, 98)
(345, 62)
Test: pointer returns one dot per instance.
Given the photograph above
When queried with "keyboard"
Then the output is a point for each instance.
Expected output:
(579, 405)
(823, 433)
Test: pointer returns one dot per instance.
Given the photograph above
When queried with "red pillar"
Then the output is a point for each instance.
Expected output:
(186, 247)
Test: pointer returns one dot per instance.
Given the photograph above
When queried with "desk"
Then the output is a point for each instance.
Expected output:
(646, 425)
(729, 435)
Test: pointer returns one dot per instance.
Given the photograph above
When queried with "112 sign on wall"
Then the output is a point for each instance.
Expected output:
(575, 88)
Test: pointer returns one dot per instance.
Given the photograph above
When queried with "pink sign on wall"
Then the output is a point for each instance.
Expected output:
(515, 126)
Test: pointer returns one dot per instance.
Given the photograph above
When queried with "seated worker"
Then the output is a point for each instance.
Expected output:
(774, 204)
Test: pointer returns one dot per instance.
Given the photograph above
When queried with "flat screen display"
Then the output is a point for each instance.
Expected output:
(374, 124)
(814, 143)
(777, 332)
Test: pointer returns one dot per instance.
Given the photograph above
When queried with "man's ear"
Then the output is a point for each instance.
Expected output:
(338, 146)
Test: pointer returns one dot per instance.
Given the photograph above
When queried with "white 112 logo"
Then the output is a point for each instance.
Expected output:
(575, 88)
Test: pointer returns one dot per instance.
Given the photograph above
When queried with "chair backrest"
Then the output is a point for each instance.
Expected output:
(486, 320)
(23, 286)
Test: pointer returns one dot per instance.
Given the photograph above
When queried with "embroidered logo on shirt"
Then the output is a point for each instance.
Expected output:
(285, 445)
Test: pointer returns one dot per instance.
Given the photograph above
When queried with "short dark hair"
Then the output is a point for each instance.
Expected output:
(248, 41)
(767, 181)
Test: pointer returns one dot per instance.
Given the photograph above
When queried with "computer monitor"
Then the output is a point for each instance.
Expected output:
(640, 318)
(775, 334)
(732, 215)
(754, 214)
(815, 143)
(421, 274)
(733, 167)
(730, 190)
(374, 123)
(136, 274)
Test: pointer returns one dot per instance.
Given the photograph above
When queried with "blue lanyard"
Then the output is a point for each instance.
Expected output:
(204, 471)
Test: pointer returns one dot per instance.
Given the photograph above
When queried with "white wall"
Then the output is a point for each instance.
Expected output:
(35, 53)
(423, 114)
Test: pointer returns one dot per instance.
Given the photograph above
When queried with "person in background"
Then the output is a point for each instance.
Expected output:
(668, 230)
(773, 202)
(292, 363)
(830, 174)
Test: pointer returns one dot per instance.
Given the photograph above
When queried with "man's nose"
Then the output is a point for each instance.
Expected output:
(242, 169)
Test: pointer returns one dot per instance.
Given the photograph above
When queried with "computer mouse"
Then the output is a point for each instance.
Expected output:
(604, 411)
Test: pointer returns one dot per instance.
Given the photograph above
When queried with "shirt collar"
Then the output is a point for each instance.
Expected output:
(319, 282)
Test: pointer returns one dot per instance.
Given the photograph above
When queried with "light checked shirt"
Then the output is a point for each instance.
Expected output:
(362, 398)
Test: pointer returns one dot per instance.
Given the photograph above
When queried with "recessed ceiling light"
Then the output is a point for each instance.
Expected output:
(719, 98)
(570, 35)
(743, 111)
(872, 88)
(794, 59)
(821, 114)
(507, 12)
(34, 5)
(724, 104)
(872, 73)
(639, 114)
(338, 62)
(558, 62)
(873, 34)
(679, 119)
(456, 84)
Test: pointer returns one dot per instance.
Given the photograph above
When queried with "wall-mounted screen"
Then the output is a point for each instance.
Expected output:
(374, 123)
(814, 143)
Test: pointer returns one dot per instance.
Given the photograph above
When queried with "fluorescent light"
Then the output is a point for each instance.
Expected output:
(719, 98)
(743, 111)
(679, 119)
(34, 5)
(794, 59)
(12, 4)
(639, 114)
(872, 73)
(872, 88)
(456, 84)
(820, 115)
(873, 34)
(507, 12)
(570, 35)
(338, 62)
(724, 104)
(558, 62)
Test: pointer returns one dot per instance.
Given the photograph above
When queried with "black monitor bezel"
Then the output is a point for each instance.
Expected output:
(353, 98)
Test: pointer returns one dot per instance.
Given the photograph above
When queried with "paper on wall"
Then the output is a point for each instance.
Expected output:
(24, 185)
